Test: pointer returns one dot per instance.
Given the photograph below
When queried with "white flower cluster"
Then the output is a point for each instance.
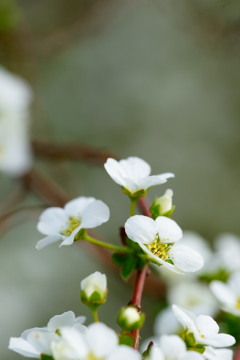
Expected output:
(15, 100)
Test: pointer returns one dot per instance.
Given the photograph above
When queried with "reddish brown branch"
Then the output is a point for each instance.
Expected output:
(71, 151)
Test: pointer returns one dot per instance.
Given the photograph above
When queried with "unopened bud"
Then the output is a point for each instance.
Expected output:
(129, 319)
(94, 290)
(162, 206)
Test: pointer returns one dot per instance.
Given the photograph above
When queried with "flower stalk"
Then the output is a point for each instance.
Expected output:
(106, 245)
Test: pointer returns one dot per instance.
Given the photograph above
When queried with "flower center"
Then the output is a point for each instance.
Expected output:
(237, 306)
(159, 249)
(74, 222)
(91, 356)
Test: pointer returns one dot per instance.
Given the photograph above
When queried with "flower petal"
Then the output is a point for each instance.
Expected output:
(50, 239)
(221, 340)
(95, 214)
(58, 321)
(76, 206)
(124, 352)
(114, 169)
(223, 293)
(52, 220)
(101, 340)
(70, 239)
(186, 318)
(156, 353)
(23, 348)
(41, 340)
(219, 354)
(185, 258)
(141, 229)
(234, 282)
(193, 355)
(207, 326)
(80, 320)
(153, 180)
(76, 341)
(168, 229)
(135, 168)
(173, 346)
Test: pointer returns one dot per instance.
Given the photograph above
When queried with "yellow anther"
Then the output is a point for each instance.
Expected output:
(159, 249)
(74, 222)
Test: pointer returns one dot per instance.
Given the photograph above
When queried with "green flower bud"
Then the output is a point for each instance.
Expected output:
(162, 206)
(129, 319)
(94, 290)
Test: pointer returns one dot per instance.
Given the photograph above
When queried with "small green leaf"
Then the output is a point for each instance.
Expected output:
(128, 267)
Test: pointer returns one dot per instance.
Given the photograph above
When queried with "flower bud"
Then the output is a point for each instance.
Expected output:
(94, 290)
(162, 206)
(129, 319)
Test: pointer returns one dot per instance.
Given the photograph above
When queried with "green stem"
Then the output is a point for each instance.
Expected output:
(132, 206)
(108, 246)
(95, 316)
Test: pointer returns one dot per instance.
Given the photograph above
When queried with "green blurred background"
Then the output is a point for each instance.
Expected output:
(155, 79)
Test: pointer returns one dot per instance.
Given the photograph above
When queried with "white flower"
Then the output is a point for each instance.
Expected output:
(172, 348)
(98, 343)
(64, 224)
(157, 238)
(203, 327)
(228, 294)
(15, 99)
(228, 251)
(95, 282)
(36, 341)
(217, 354)
(133, 174)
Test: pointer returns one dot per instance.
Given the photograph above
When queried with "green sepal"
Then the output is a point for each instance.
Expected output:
(126, 339)
(128, 267)
(156, 211)
(94, 301)
(136, 195)
(141, 261)
(119, 259)
(46, 357)
(146, 353)
(190, 340)
(169, 261)
(80, 235)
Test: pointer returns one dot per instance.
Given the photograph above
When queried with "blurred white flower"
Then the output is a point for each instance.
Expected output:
(133, 174)
(203, 327)
(228, 251)
(98, 343)
(15, 100)
(172, 347)
(228, 294)
(95, 282)
(36, 341)
(157, 239)
(217, 354)
(64, 223)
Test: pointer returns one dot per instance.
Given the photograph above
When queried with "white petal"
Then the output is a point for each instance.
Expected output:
(219, 354)
(168, 229)
(166, 322)
(95, 214)
(114, 169)
(80, 320)
(156, 353)
(41, 340)
(141, 229)
(193, 355)
(173, 346)
(135, 168)
(70, 239)
(150, 181)
(23, 348)
(185, 258)
(101, 339)
(94, 282)
(58, 321)
(76, 340)
(50, 239)
(124, 352)
(76, 206)
(207, 326)
(220, 340)
(234, 282)
(186, 318)
(52, 220)
(223, 293)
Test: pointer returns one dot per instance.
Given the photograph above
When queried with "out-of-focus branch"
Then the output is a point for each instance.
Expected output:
(237, 354)
(71, 151)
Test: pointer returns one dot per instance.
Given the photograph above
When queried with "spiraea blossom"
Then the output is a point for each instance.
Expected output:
(37, 341)
(133, 174)
(99, 342)
(203, 328)
(172, 347)
(157, 238)
(94, 283)
(228, 294)
(15, 100)
(64, 223)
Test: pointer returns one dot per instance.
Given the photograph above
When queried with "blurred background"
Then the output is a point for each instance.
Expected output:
(154, 79)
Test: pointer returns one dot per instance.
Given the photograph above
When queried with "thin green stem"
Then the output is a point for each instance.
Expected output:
(132, 206)
(95, 316)
(108, 246)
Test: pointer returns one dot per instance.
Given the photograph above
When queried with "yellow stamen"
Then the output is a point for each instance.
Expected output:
(238, 304)
(159, 249)
(74, 222)
(91, 356)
